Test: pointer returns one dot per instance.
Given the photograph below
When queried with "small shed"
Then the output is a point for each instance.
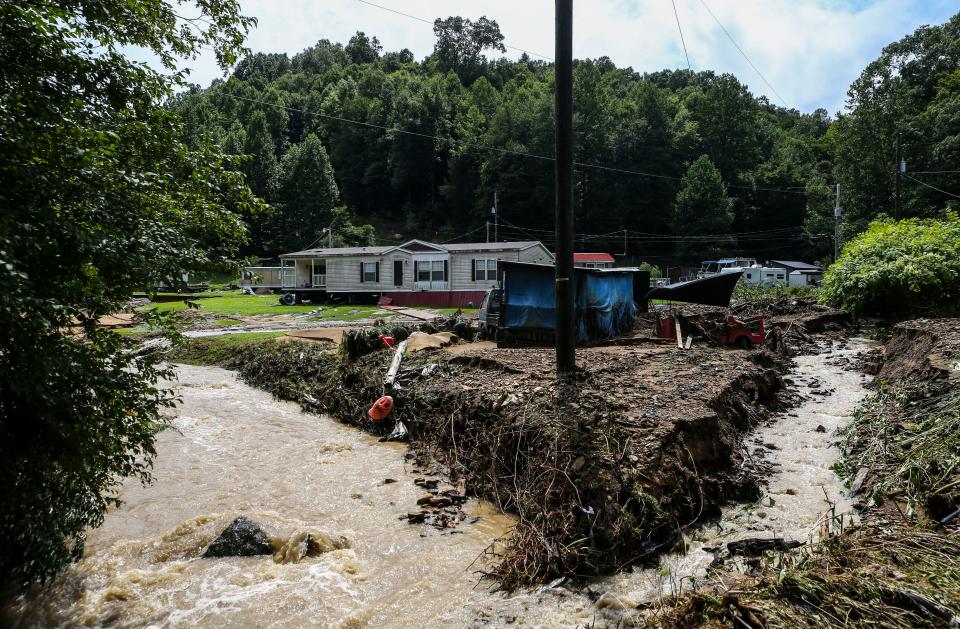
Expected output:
(603, 302)
(593, 260)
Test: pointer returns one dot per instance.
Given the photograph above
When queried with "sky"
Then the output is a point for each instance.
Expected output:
(808, 51)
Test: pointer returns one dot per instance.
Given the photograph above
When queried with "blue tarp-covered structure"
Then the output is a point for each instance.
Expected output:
(603, 300)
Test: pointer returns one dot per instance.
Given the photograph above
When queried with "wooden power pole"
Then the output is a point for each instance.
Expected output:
(899, 181)
(836, 226)
(563, 109)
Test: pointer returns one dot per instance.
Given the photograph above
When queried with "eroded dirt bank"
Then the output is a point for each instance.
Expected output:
(899, 564)
(647, 441)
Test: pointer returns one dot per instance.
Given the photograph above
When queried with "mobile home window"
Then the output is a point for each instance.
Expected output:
(423, 271)
(437, 275)
(369, 271)
(484, 269)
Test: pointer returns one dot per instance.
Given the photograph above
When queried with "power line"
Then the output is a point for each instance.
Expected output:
(922, 183)
(935, 172)
(430, 22)
(684, 43)
(737, 46)
(493, 148)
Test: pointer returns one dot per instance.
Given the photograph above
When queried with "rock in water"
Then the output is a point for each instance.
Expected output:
(243, 538)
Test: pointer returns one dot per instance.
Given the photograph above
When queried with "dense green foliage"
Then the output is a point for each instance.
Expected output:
(912, 89)
(899, 267)
(418, 148)
(432, 140)
(702, 211)
(99, 197)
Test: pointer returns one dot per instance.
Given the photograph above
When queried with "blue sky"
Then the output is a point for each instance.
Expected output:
(808, 50)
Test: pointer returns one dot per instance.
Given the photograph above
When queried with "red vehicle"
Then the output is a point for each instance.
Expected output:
(728, 331)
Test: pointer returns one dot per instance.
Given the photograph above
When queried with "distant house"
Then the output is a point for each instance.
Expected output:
(413, 273)
(593, 260)
(800, 273)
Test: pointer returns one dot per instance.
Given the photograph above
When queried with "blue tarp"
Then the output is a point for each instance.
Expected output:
(603, 300)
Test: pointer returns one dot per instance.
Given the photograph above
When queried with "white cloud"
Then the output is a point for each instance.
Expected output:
(809, 50)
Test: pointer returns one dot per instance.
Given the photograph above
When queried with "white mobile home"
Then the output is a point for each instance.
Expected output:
(414, 273)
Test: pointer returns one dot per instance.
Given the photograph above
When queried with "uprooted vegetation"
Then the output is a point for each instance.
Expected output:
(643, 441)
(899, 565)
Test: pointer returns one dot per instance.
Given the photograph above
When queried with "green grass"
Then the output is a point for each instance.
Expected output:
(216, 350)
(236, 304)
(449, 311)
(350, 313)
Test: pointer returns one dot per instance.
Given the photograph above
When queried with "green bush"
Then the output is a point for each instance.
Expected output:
(898, 268)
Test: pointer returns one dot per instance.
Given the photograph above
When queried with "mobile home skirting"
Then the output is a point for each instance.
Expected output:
(437, 298)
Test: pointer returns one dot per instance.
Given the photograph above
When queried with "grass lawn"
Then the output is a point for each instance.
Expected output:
(214, 350)
(236, 304)
(225, 305)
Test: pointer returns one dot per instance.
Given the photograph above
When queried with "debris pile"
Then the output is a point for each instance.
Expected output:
(440, 507)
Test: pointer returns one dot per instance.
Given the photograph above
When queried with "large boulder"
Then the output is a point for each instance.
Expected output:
(243, 538)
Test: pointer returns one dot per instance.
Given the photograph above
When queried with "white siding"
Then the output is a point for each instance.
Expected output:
(537, 254)
(461, 268)
(343, 273)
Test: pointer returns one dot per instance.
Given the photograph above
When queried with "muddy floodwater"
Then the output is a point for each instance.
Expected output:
(234, 450)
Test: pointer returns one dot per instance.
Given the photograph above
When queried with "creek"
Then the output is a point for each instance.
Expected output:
(233, 450)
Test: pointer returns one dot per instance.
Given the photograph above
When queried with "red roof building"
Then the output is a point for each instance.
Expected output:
(593, 260)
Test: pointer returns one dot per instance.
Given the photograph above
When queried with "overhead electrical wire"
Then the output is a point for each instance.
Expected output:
(682, 42)
(923, 183)
(737, 46)
(430, 22)
(493, 148)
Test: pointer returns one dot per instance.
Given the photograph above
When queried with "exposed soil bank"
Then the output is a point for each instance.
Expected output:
(900, 564)
(922, 350)
(602, 472)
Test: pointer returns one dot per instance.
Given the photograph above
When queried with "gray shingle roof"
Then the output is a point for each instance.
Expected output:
(376, 251)
(337, 251)
(795, 264)
(489, 246)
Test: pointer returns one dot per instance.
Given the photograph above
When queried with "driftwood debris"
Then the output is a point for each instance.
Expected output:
(395, 364)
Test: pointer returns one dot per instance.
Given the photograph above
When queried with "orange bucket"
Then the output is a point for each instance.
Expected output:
(381, 408)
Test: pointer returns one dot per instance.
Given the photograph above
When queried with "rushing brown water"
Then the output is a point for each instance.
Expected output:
(234, 450)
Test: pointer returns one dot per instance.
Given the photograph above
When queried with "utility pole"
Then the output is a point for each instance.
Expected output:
(624, 243)
(563, 134)
(900, 169)
(836, 226)
(494, 212)
(488, 231)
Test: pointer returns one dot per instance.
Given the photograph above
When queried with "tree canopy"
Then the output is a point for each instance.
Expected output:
(100, 197)
(418, 148)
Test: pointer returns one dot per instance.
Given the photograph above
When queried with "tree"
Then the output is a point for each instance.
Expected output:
(261, 168)
(702, 212)
(911, 90)
(306, 197)
(362, 49)
(100, 197)
(461, 42)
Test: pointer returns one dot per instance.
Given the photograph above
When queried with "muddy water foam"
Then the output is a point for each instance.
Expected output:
(233, 450)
